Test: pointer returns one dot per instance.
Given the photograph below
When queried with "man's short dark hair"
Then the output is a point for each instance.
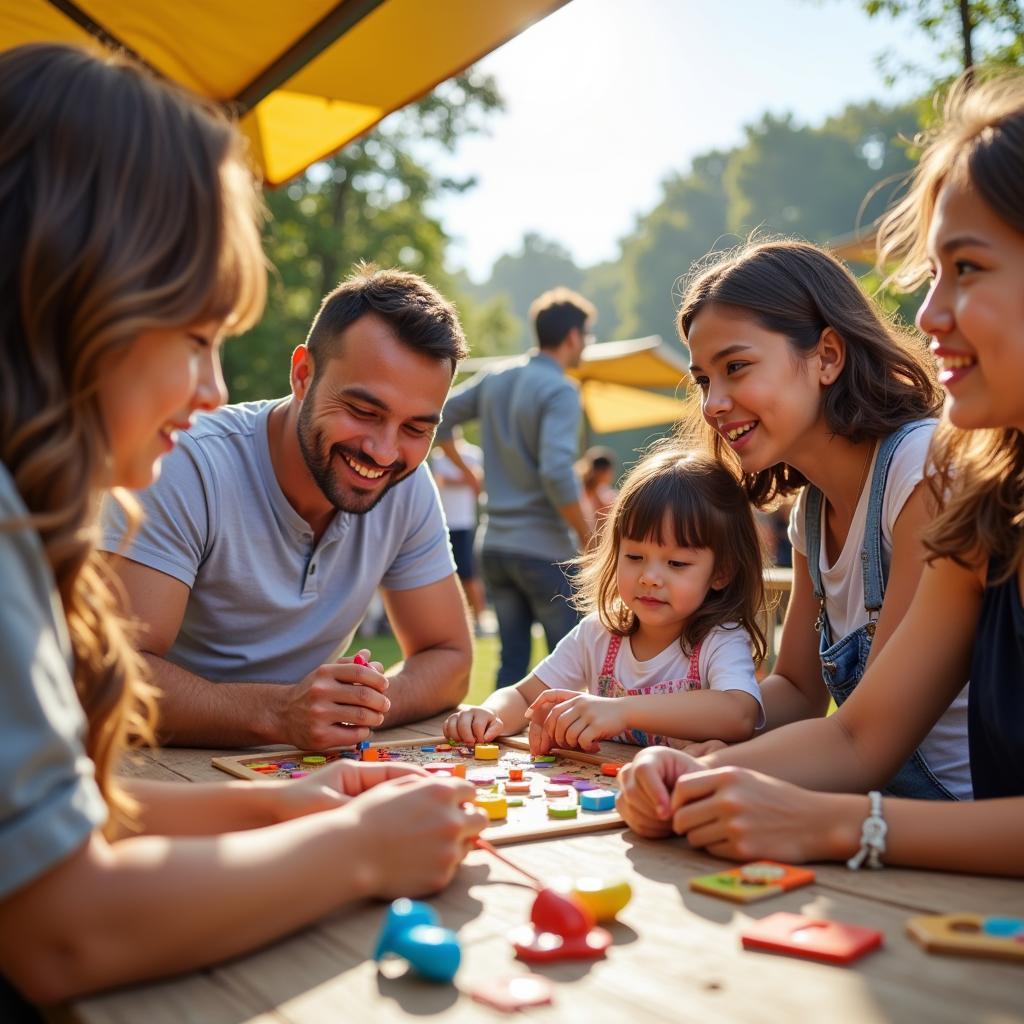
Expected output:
(556, 313)
(419, 315)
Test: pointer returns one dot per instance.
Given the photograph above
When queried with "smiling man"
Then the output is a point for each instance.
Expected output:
(273, 523)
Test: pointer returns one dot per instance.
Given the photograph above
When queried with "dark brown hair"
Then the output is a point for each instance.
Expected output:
(799, 290)
(420, 316)
(706, 508)
(125, 206)
(978, 475)
(555, 313)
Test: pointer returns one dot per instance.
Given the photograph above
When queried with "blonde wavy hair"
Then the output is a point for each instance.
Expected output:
(976, 476)
(125, 205)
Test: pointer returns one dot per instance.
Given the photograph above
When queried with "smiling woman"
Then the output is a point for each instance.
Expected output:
(802, 385)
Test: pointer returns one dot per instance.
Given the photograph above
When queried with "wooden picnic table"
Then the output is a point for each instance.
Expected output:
(676, 954)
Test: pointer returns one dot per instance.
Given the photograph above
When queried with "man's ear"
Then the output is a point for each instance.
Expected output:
(302, 371)
(831, 356)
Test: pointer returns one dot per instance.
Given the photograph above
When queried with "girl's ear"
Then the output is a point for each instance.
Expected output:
(721, 579)
(831, 356)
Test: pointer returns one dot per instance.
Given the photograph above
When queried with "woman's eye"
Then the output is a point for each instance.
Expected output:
(965, 267)
(701, 382)
(734, 366)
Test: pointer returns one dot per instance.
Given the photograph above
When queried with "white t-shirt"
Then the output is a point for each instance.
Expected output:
(725, 662)
(945, 747)
(458, 499)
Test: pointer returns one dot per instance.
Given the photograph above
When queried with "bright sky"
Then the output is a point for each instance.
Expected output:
(605, 98)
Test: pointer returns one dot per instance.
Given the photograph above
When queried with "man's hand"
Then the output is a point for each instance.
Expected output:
(646, 788)
(336, 705)
(583, 720)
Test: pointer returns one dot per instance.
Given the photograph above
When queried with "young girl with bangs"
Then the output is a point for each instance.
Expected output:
(672, 594)
(130, 247)
(961, 224)
(804, 388)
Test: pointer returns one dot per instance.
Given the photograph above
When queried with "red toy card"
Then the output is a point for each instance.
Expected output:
(810, 937)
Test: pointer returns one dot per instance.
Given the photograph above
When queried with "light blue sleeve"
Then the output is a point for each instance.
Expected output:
(463, 405)
(177, 523)
(49, 800)
(425, 555)
(559, 441)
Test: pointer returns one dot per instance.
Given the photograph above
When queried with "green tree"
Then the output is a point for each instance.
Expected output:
(688, 222)
(370, 201)
(967, 32)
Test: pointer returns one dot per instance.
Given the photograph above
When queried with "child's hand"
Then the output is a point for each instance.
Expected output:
(332, 786)
(646, 790)
(473, 725)
(584, 720)
(536, 714)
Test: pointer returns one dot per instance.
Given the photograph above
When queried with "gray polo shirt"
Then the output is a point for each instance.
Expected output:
(266, 605)
(49, 799)
(529, 414)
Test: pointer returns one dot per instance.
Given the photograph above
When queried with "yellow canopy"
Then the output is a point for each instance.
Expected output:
(614, 380)
(308, 75)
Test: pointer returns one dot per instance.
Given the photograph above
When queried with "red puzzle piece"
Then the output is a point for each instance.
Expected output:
(814, 938)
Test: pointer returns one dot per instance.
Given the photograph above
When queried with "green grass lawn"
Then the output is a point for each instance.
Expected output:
(485, 659)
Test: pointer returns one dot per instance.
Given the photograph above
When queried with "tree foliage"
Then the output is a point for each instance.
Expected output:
(369, 202)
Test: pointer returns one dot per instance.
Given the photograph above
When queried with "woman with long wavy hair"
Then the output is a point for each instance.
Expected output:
(129, 225)
(961, 225)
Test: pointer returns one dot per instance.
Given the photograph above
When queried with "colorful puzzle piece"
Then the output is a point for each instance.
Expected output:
(813, 938)
(752, 882)
(582, 801)
(1000, 938)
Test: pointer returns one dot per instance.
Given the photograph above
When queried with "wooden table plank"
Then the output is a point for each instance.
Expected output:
(676, 953)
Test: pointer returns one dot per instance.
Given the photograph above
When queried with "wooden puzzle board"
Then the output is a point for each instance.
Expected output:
(530, 821)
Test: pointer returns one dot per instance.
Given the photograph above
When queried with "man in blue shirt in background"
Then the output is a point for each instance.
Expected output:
(529, 413)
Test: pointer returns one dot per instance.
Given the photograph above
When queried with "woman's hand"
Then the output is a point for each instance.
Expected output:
(333, 786)
(744, 815)
(415, 832)
(645, 789)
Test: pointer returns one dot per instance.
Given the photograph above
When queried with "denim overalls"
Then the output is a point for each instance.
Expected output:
(843, 663)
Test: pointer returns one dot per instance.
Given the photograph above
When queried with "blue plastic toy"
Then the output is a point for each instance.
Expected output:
(412, 930)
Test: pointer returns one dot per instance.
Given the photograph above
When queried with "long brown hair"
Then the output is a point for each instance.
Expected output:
(125, 205)
(706, 508)
(978, 475)
(799, 290)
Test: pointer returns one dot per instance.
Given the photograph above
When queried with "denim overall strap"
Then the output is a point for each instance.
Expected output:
(873, 566)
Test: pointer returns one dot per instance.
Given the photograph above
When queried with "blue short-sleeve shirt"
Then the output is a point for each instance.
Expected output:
(265, 603)
(49, 799)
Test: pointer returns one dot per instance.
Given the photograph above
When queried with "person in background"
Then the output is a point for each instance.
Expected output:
(459, 493)
(530, 416)
(597, 477)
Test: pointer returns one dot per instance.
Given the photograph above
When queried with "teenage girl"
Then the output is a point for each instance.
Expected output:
(130, 247)
(962, 225)
(804, 387)
(672, 591)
